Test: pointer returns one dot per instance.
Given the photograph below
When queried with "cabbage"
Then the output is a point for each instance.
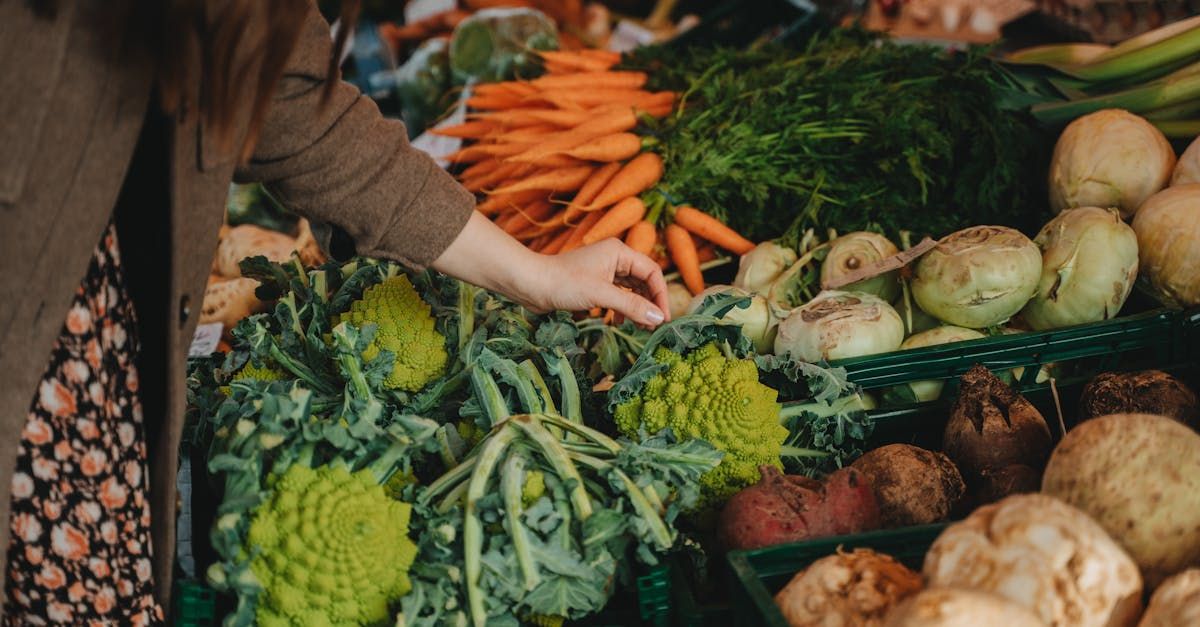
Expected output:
(760, 267)
(977, 277)
(853, 251)
(839, 325)
(1089, 262)
(755, 319)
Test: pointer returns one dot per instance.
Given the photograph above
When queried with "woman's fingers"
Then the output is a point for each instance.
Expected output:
(629, 304)
(642, 268)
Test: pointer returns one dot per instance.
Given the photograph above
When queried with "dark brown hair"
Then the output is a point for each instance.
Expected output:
(212, 58)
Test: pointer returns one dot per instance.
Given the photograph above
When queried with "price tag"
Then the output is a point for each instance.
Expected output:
(204, 342)
(628, 36)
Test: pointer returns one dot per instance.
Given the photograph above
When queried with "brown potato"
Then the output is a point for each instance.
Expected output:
(912, 485)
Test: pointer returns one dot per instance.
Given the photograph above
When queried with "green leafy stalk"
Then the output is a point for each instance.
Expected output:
(512, 480)
(489, 457)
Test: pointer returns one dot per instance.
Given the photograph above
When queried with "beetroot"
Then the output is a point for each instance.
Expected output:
(783, 508)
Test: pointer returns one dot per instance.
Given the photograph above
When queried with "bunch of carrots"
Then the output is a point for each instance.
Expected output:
(557, 164)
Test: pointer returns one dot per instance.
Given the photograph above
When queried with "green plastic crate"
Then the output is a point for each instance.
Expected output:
(760, 573)
(195, 604)
(1152, 338)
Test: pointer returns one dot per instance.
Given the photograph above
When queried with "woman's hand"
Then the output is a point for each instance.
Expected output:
(607, 274)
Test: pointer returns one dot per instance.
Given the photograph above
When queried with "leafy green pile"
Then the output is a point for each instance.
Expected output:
(852, 133)
(524, 506)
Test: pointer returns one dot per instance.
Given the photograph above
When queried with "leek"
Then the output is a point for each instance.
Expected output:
(1057, 54)
(1157, 94)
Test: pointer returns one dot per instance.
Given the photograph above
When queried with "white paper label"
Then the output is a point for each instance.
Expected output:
(418, 10)
(438, 146)
(628, 36)
(204, 342)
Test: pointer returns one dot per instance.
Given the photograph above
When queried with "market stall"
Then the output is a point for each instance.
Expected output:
(931, 362)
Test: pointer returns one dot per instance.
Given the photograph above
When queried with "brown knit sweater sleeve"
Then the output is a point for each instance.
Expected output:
(345, 164)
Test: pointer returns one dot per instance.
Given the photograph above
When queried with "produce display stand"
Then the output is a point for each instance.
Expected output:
(1163, 339)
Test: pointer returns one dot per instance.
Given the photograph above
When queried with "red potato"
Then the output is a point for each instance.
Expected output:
(784, 508)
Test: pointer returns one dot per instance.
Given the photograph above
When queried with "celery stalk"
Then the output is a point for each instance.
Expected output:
(1183, 43)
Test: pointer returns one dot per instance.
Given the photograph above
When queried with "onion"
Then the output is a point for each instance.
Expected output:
(1168, 237)
(977, 277)
(839, 325)
(679, 298)
(1089, 263)
(760, 267)
(1110, 158)
(756, 320)
(853, 251)
(931, 390)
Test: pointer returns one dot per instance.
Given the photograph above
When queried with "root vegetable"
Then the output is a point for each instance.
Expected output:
(992, 426)
(1138, 475)
(847, 588)
(1044, 555)
(995, 484)
(913, 486)
(1110, 158)
(951, 607)
(247, 240)
(783, 508)
(839, 325)
(1176, 603)
(1168, 234)
(1145, 392)
(228, 301)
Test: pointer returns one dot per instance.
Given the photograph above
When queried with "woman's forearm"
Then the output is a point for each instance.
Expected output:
(484, 255)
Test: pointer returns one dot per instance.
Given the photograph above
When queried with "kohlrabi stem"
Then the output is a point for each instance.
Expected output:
(821, 409)
(588, 433)
(559, 460)
(489, 457)
(512, 480)
(489, 395)
(644, 508)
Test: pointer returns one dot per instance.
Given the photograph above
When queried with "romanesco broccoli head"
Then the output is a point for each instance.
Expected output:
(404, 326)
(330, 548)
(255, 373)
(711, 397)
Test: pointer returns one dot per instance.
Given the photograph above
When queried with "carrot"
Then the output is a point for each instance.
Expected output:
(707, 227)
(567, 119)
(578, 99)
(480, 168)
(555, 245)
(493, 102)
(615, 121)
(526, 134)
(642, 172)
(558, 68)
(576, 62)
(504, 88)
(617, 220)
(480, 151)
(495, 176)
(658, 111)
(466, 130)
(682, 248)
(587, 193)
(529, 216)
(576, 239)
(558, 161)
(591, 80)
(615, 147)
(641, 237)
(604, 55)
(706, 252)
(557, 180)
(497, 202)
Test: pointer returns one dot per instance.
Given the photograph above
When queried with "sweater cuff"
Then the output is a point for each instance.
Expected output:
(421, 232)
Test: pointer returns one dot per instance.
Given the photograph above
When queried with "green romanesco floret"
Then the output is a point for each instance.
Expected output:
(330, 548)
(404, 326)
(533, 488)
(711, 397)
(256, 373)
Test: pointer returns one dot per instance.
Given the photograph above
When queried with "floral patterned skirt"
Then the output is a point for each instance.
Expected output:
(79, 552)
